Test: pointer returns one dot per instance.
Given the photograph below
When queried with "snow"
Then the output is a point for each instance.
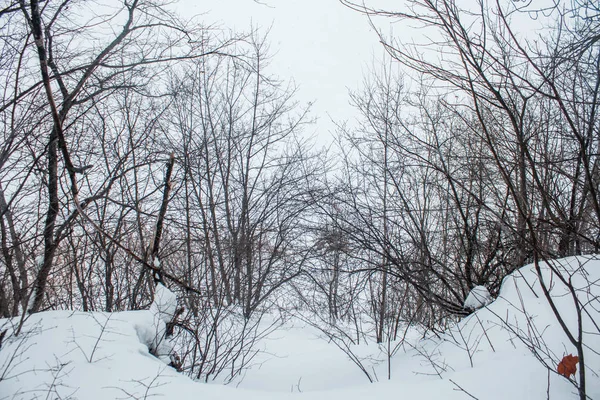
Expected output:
(165, 303)
(478, 297)
(152, 334)
(94, 355)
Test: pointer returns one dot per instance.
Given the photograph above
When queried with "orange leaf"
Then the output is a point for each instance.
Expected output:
(568, 365)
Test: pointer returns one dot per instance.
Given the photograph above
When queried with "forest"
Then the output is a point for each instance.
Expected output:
(140, 147)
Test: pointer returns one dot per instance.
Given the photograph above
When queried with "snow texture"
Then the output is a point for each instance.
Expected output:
(478, 297)
(94, 356)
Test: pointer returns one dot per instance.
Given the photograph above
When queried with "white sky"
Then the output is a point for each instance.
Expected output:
(323, 46)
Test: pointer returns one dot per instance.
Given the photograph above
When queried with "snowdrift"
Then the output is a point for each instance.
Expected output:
(507, 350)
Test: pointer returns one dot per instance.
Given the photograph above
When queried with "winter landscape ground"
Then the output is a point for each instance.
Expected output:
(506, 350)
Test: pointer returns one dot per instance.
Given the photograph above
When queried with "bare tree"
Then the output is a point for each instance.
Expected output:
(62, 69)
(522, 107)
(246, 171)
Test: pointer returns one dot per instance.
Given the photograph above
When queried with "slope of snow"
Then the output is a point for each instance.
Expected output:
(78, 355)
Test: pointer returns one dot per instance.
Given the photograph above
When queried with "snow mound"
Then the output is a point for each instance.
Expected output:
(164, 305)
(153, 334)
(478, 297)
(507, 350)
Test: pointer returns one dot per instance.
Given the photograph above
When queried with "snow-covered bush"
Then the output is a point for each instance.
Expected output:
(478, 297)
(154, 335)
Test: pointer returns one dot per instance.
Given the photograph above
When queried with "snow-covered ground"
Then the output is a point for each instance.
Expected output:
(487, 355)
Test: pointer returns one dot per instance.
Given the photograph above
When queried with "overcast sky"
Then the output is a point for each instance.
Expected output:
(323, 46)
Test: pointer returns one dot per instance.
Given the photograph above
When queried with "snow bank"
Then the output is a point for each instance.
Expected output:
(92, 356)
